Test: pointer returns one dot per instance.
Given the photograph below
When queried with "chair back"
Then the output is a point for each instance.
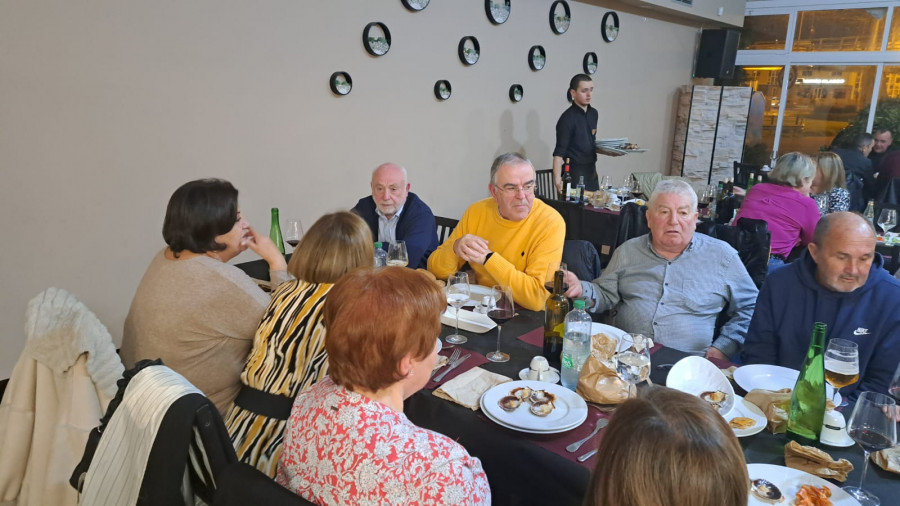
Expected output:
(582, 259)
(445, 227)
(742, 173)
(545, 188)
(177, 444)
(891, 192)
(750, 238)
(632, 222)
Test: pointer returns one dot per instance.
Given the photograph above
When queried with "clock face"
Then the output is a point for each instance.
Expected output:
(469, 50)
(497, 10)
(340, 83)
(560, 16)
(415, 5)
(442, 90)
(610, 26)
(376, 39)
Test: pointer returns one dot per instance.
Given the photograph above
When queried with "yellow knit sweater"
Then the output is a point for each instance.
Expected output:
(523, 250)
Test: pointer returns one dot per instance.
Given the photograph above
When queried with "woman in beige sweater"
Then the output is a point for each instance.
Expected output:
(193, 310)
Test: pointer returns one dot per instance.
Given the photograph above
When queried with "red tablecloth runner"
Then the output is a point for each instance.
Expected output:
(474, 361)
(534, 337)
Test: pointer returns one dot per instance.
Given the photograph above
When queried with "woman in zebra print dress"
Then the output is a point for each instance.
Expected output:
(288, 352)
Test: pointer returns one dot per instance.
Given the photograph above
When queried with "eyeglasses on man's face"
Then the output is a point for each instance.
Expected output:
(511, 189)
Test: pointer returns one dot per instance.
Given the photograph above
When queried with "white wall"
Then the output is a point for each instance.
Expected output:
(107, 106)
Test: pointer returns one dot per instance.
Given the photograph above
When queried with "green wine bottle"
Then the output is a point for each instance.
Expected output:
(555, 311)
(275, 231)
(808, 398)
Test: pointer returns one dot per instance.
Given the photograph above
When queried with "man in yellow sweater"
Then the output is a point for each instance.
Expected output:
(508, 239)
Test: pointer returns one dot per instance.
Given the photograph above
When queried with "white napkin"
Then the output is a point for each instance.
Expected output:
(467, 388)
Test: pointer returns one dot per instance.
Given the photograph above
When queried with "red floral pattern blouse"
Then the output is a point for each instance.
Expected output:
(343, 448)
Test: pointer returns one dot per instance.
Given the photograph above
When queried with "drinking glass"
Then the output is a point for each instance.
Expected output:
(502, 312)
(457, 295)
(396, 256)
(293, 232)
(632, 360)
(887, 220)
(894, 389)
(604, 183)
(872, 426)
(841, 365)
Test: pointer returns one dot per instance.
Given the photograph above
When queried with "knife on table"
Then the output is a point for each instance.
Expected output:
(452, 366)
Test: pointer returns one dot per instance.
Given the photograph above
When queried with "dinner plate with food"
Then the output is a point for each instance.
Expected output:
(746, 419)
(534, 406)
(770, 484)
(700, 377)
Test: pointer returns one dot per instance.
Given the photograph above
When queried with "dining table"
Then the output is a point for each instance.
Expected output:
(526, 469)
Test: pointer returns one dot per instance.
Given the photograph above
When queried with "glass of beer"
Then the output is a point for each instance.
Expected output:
(841, 365)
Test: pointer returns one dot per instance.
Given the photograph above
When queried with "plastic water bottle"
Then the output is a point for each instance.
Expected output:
(579, 191)
(576, 345)
(380, 256)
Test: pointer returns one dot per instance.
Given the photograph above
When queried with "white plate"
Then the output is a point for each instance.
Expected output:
(790, 480)
(695, 375)
(745, 408)
(609, 330)
(570, 410)
(771, 377)
(551, 376)
(468, 320)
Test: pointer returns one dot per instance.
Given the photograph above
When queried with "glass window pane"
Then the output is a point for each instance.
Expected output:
(766, 85)
(894, 36)
(840, 30)
(764, 32)
(823, 100)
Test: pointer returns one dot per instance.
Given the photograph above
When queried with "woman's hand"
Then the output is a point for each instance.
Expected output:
(265, 248)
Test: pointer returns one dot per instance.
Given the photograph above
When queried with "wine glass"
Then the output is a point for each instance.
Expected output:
(872, 426)
(293, 232)
(841, 365)
(894, 389)
(502, 312)
(552, 268)
(457, 295)
(887, 220)
(632, 359)
(604, 183)
(396, 256)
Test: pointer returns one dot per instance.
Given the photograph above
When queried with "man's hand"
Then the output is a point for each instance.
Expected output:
(574, 285)
(471, 248)
(558, 183)
(712, 352)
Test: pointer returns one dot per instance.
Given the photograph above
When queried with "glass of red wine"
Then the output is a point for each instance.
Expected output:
(872, 426)
(502, 311)
(293, 232)
(551, 271)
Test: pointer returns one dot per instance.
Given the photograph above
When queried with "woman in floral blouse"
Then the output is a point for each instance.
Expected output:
(829, 187)
(347, 440)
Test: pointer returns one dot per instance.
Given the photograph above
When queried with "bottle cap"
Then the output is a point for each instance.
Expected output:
(378, 244)
(579, 303)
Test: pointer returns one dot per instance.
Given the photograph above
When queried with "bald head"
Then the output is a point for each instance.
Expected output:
(843, 248)
(389, 188)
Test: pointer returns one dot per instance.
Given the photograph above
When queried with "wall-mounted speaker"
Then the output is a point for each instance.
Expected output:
(718, 50)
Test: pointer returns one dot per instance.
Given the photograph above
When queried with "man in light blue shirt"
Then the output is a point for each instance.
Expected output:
(672, 284)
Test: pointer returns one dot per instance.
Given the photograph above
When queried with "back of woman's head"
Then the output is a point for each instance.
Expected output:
(668, 447)
(793, 169)
(199, 211)
(336, 244)
(376, 317)
(832, 168)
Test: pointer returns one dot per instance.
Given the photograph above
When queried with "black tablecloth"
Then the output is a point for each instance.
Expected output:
(523, 473)
(600, 227)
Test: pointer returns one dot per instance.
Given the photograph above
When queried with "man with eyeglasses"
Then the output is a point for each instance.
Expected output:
(394, 214)
(508, 239)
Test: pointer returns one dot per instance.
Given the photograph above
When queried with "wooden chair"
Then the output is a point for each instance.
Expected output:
(445, 227)
(545, 188)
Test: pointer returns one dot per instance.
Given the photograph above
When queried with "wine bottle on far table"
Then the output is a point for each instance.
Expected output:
(566, 182)
(808, 398)
(555, 311)
(275, 231)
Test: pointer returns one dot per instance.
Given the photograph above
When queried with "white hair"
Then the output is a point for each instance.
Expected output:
(674, 187)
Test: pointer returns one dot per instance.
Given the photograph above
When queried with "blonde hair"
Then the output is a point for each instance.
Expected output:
(668, 447)
(793, 169)
(336, 244)
(832, 169)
